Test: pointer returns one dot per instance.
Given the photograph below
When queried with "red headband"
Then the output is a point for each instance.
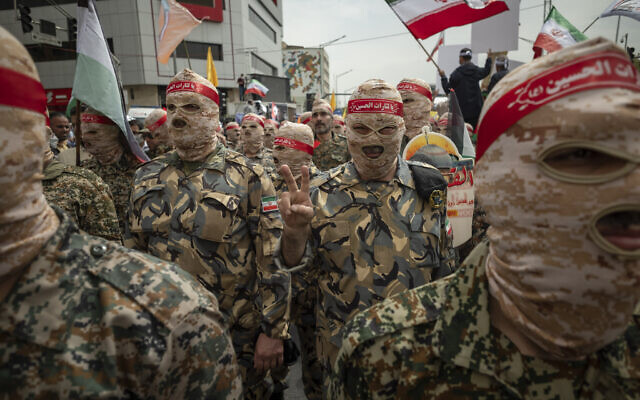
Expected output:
(599, 70)
(158, 123)
(96, 119)
(232, 126)
(254, 118)
(305, 121)
(293, 144)
(375, 106)
(339, 122)
(273, 122)
(188, 86)
(412, 87)
(21, 91)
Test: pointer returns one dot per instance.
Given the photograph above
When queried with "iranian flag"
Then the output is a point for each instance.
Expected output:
(96, 83)
(425, 18)
(556, 33)
(256, 87)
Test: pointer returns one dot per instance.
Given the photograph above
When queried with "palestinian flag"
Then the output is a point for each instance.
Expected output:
(425, 18)
(96, 83)
(556, 33)
(257, 88)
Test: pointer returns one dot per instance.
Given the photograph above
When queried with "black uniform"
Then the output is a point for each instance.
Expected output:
(495, 78)
(464, 81)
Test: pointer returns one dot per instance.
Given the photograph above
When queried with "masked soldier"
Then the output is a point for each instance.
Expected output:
(417, 101)
(270, 131)
(338, 125)
(214, 213)
(253, 142)
(234, 136)
(378, 223)
(158, 136)
(545, 307)
(332, 149)
(112, 159)
(80, 316)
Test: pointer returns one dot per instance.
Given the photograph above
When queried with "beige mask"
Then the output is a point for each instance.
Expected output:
(101, 137)
(156, 123)
(293, 147)
(416, 105)
(233, 132)
(561, 188)
(270, 132)
(374, 137)
(26, 220)
(338, 125)
(253, 134)
(192, 116)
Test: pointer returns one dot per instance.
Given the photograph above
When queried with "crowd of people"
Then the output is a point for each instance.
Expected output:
(185, 276)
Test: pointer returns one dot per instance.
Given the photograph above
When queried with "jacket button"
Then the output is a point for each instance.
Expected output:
(98, 250)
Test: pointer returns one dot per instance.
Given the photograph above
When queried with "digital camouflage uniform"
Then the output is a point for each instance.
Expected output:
(331, 153)
(210, 222)
(84, 196)
(158, 151)
(265, 158)
(92, 319)
(370, 240)
(304, 295)
(436, 342)
(119, 177)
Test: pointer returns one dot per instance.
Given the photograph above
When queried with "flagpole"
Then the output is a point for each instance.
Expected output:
(417, 40)
(186, 50)
(592, 22)
(78, 132)
(617, 30)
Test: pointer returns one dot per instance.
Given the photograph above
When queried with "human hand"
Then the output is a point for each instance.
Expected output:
(269, 353)
(295, 205)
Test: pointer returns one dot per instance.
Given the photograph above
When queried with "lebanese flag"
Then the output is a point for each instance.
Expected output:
(556, 33)
(257, 88)
(425, 18)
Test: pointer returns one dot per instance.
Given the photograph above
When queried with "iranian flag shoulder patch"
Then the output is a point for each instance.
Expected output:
(269, 204)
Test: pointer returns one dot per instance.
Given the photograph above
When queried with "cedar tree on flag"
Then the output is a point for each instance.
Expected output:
(556, 33)
(257, 88)
(96, 83)
(425, 18)
(628, 8)
(175, 23)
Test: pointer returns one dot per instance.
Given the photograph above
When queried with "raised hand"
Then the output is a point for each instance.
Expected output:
(295, 205)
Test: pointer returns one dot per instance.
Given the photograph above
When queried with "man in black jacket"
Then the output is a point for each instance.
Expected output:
(502, 67)
(464, 81)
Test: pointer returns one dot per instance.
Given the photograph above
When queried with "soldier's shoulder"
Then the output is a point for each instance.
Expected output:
(238, 159)
(328, 179)
(341, 138)
(161, 288)
(80, 174)
(153, 167)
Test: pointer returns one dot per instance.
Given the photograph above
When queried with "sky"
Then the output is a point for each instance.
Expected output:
(312, 22)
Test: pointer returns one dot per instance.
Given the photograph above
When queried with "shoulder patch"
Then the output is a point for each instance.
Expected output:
(269, 204)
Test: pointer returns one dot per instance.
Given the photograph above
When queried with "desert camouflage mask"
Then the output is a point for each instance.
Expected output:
(101, 137)
(253, 133)
(416, 99)
(293, 147)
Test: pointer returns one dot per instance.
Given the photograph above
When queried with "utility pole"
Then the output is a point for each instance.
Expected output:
(321, 47)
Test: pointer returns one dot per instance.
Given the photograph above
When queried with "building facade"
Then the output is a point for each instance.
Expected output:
(245, 37)
(308, 71)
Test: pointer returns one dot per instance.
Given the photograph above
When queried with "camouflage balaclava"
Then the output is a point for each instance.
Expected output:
(26, 220)
(560, 184)
(156, 123)
(101, 137)
(270, 131)
(192, 115)
(234, 133)
(293, 147)
(253, 134)
(374, 128)
(338, 125)
(417, 100)
(305, 118)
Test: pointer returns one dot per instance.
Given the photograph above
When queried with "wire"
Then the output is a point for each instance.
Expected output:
(532, 7)
(62, 10)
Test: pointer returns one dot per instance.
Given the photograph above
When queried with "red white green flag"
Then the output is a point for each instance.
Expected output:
(556, 33)
(425, 18)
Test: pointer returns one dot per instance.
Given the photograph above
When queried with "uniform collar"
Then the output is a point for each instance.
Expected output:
(402, 176)
(53, 170)
(215, 160)
(465, 338)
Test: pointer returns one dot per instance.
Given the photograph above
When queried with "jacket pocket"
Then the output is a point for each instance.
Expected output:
(215, 216)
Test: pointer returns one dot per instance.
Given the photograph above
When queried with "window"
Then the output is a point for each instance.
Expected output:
(263, 66)
(41, 52)
(198, 50)
(8, 5)
(261, 24)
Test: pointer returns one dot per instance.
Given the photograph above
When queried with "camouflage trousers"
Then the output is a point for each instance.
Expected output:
(244, 335)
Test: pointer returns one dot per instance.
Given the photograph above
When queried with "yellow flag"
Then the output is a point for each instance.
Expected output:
(212, 75)
(333, 100)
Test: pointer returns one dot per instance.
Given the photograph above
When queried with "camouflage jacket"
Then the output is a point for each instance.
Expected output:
(370, 240)
(91, 319)
(332, 153)
(211, 222)
(119, 177)
(436, 341)
(84, 196)
(265, 158)
(158, 151)
(281, 186)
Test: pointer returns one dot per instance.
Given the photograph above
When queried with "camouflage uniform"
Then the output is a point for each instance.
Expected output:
(331, 153)
(436, 341)
(209, 221)
(479, 226)
(265, 158)
(159, 150)
(370, 240)
(119, 177)
(84, 196)
(92, 319)
(304, 296)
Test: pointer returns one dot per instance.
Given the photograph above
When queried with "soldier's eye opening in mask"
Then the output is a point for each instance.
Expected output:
(191, 107)
(171, 107)
(585, 162)
(407, 100)
(617, 230)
